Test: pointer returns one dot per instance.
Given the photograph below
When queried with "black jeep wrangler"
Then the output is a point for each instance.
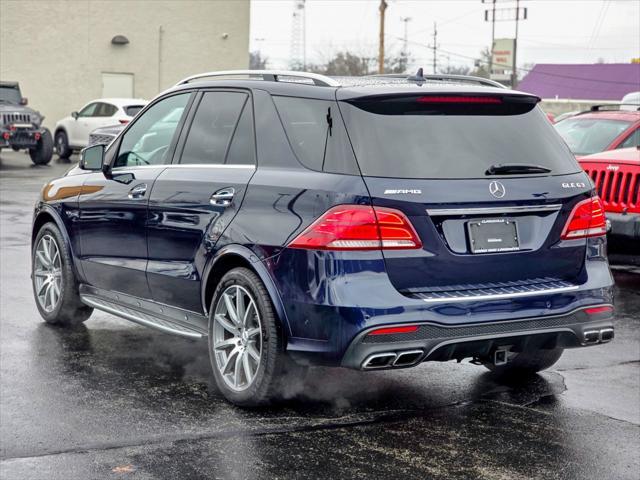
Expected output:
(21, 127)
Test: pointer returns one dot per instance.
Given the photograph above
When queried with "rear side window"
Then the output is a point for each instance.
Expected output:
(586, 135)
(428, 140)
(105, 110)
(132, 110)
(210, 136)
(316, 134)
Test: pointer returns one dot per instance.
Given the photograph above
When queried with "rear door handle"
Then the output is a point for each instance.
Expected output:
(138, 191)
(222, 198)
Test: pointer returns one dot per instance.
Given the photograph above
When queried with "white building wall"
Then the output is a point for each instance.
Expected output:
(58, 49)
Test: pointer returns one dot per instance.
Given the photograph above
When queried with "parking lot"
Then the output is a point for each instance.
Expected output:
(115, 400)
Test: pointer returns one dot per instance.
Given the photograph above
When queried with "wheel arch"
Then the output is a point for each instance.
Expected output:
(233, 256)
(47, 214)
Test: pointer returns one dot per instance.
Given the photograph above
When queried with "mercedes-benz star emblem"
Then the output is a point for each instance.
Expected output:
(497, 189)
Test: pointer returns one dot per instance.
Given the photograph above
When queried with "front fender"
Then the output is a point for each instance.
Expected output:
(260, 269)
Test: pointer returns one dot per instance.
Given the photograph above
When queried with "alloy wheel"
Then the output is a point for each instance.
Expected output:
(237, 338)
(47, 273)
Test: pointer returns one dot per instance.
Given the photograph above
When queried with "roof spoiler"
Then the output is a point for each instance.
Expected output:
(613, 107)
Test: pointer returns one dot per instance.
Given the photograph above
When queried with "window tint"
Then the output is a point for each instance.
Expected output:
(105, 110)
(242, 150)
(316, 145)
(434, 145)
(148, 139)
(212, 127)
(632, 140)
(88, 111)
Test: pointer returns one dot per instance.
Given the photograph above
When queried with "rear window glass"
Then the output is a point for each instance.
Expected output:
(449, 143)
(590, 135)
(132, 110)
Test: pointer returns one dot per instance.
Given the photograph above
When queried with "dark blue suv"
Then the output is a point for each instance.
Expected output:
(369, 223)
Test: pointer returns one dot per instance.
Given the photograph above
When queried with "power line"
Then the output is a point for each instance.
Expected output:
(557, 75)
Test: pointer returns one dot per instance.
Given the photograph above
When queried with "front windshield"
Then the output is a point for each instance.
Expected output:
(585, 136)
(9, 95)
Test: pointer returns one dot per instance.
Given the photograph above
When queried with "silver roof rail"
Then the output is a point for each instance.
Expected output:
(266, 75)
(448, 77)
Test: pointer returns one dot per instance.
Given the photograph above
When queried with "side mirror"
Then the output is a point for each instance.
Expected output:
(24, 101)
(92, 158)
(74, 115)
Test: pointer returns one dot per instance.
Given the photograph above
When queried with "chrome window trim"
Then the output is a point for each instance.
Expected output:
(500, 296)
(188, 165)
(434, 212)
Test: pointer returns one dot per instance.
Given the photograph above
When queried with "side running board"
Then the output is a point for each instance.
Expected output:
(140, 317)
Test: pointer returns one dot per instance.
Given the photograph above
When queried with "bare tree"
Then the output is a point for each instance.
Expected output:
(351, 64)
(482, 64)
(455, 70)
(257, 61)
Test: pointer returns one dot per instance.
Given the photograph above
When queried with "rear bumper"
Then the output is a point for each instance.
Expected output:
(624, 225)
(20, 137)
(436, 342)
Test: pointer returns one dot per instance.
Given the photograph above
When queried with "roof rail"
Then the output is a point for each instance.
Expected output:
(613, 106)
(265, 75)
(444, 78)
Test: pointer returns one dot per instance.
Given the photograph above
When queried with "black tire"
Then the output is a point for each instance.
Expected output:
(527, 363)
(62, 145)
(274, 362)
(68, 310)
(41, 155)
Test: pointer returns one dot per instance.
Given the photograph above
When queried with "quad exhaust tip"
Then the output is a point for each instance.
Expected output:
(593, 337)
(406, 358)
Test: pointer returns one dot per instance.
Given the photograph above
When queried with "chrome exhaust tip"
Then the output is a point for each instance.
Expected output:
(590, 337)
(408, 358)
(379, 360)
(606, 335)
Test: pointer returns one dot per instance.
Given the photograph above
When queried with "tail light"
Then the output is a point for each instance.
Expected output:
(586, 220)
(358, 227)
(597, 310)
(124, 122)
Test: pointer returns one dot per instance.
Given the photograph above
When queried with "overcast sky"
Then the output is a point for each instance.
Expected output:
(556, 31)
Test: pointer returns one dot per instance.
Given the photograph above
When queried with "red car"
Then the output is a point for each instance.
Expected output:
(616, 175)
(602, 128)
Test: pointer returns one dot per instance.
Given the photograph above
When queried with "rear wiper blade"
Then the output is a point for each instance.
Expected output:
(509, 168)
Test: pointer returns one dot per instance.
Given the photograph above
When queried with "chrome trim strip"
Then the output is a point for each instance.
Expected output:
(434, 212)
(186, 165)
(499, 296)
(133, 318)
(317, 78)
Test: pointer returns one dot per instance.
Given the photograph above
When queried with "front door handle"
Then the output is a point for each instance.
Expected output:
(138, 191)
(222, 198)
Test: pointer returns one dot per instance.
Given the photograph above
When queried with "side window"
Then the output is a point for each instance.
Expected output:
(243, 149)
(148, 139)
(632, 140)
(89, 110)
(317, 145)
(104, 110)
(213, 126)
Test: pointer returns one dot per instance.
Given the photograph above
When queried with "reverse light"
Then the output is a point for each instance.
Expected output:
(359, 227)
(458, 99)
(394, 330)
(586, 220)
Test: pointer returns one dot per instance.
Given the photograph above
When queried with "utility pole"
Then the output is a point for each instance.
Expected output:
(493, 35)
(514, 79)
(382, 8)
(405, 42)
(435, 47)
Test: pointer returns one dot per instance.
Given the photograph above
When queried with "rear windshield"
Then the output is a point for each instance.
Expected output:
(590, 135)
(447, 143)
(132, 110)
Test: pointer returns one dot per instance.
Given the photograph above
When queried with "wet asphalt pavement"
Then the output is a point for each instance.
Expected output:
(115, 400)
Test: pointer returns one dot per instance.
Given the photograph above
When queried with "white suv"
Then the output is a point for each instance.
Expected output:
(72, 132)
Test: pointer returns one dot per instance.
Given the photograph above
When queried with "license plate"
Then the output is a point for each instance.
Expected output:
(492, 235)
